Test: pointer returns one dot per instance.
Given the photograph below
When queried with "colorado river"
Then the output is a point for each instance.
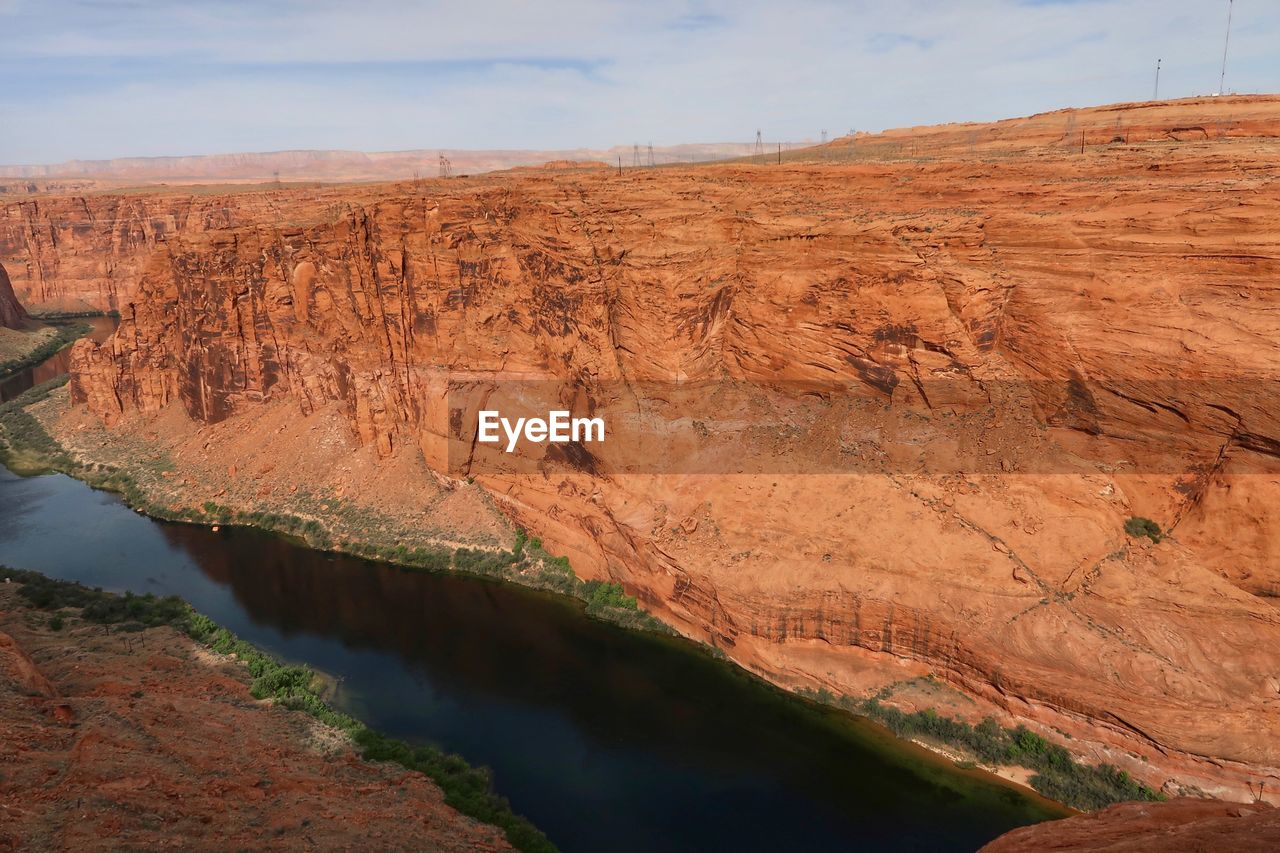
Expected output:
(605, 739)
(56, 364)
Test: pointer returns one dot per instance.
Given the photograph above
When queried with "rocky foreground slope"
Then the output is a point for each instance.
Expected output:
(97, 745)
(872, 415)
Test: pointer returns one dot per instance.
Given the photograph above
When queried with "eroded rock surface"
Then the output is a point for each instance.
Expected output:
(928, 394)
(1172, 827)
(12, 314)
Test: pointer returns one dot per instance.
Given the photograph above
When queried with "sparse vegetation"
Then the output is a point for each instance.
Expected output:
(601, 596)
(27, 447)
(54, 316)
(24, 444)
(1058, 775)
(1137, 527)
(466, 788)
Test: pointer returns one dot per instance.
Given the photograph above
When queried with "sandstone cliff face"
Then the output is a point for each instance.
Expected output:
(85, 253)
(995, 362)
(12, 315)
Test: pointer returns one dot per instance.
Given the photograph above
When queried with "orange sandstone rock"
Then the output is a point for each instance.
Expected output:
(1170, 827)
(909, 402)
(12, 314)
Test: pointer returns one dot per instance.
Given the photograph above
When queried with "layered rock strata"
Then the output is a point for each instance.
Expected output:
(865, 412)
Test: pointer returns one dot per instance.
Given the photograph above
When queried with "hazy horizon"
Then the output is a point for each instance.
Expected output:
(139, 78)
(427, 151)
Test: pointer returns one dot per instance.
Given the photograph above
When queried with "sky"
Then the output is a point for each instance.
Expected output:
(96, 79)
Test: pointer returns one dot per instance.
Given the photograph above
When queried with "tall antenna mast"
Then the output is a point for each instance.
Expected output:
(1223, 79)
(1156, 96)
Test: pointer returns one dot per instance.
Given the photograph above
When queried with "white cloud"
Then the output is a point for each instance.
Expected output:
(94, 79)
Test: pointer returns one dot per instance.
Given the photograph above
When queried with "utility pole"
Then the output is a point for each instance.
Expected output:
(1156, 96)
(619, 165)
(779, 153)
(1226, 42)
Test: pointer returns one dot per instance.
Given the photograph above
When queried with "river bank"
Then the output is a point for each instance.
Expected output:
(160, 479)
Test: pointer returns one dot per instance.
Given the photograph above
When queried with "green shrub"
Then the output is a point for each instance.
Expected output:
(1058, 775)
(1137, 527)
(602, 595)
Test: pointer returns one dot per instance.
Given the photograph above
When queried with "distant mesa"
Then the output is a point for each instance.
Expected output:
(331, 166)
(553, 165)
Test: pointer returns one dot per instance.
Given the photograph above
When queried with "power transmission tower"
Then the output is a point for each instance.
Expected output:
(824, 136)
(759, 149)
(276, 177)
(1156, 96)
(635, 155)
(445, 170)
(1222, 80)
(650, 153)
